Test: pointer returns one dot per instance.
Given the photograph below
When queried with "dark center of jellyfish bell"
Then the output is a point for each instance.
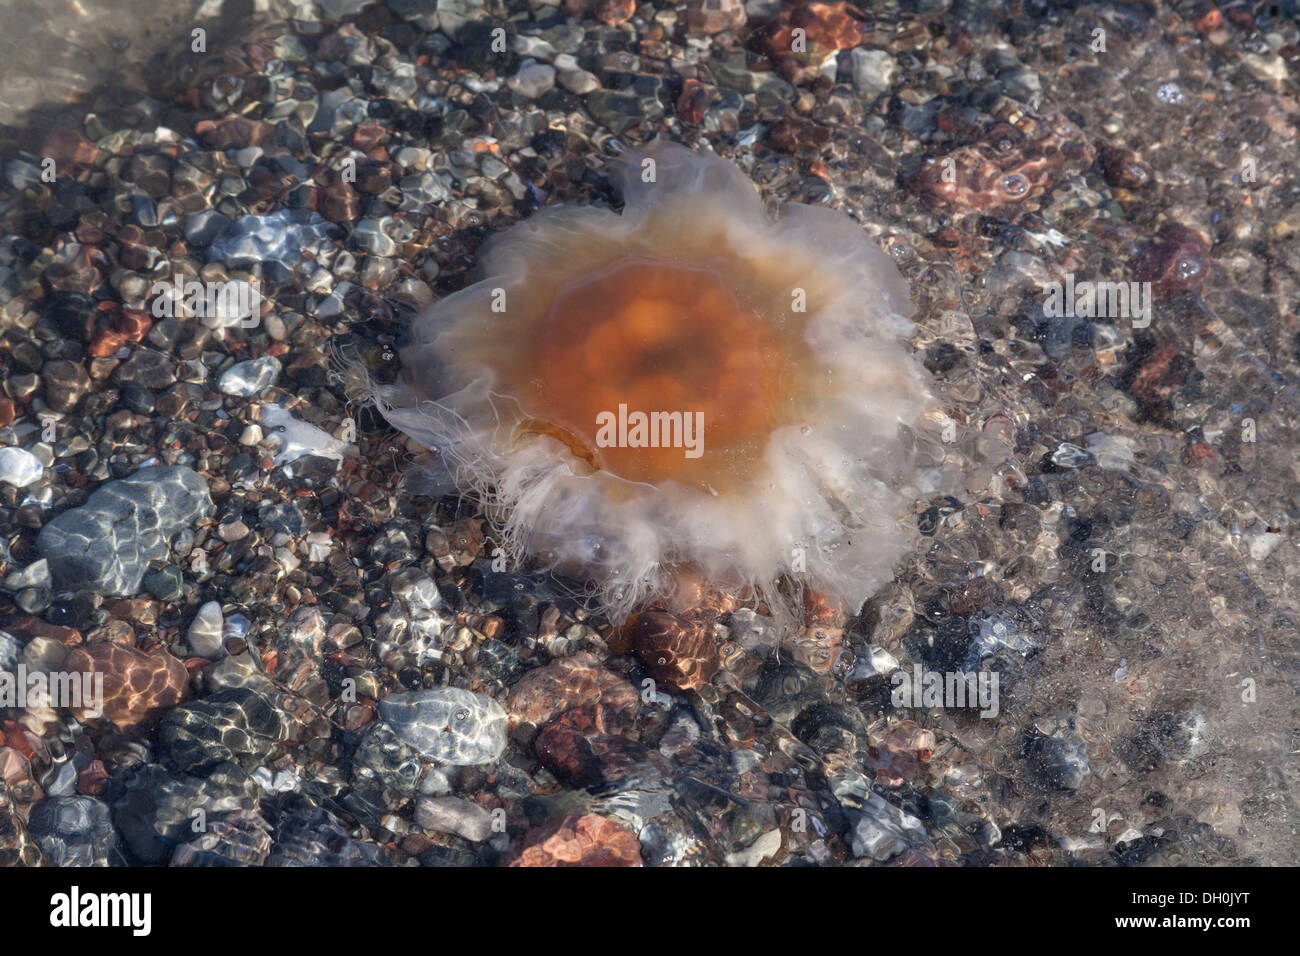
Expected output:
(693, 353)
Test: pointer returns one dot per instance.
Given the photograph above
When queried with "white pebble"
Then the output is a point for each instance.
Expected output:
(533, 79)
(19, 467)
(204, 636)
(318, 546)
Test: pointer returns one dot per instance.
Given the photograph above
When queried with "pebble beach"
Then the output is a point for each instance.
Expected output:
(211, 536)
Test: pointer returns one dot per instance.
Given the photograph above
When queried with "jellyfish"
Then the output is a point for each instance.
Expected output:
(691, 384)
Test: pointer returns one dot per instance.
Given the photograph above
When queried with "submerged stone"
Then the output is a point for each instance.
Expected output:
(73, 831)
(448, 724)
(106, 544)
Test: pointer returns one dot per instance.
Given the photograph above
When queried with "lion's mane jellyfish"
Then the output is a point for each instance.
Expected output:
(690, 383)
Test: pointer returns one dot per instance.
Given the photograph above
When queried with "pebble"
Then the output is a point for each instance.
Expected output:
(319, 545)
(308, 835)
(584, 840)
(873, 71)
(679, 653)
(381, 755)
(370, 236)
(11, 651)
(1170, 93)
(74, 831)
(454, 815)
(239, 838)
(715, 16)
(543, 694)
(166, 584)
(577, 81)
(32, 587)
(278, 237)
(139, 686)
(449, 725)
(205, 634)
(1061, 759)
(35, 575)
(158, 808)
(202, 228)
(66, 384)
(236, 725)
(20, 467)
(533, 79)
(246, 379)
(1071, 456)
(883, 830)
(106, 545)
(410, 631)
(764, 848)
(232, 531)
(147, 368)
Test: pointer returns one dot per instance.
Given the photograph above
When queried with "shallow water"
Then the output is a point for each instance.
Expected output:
(1120, 554)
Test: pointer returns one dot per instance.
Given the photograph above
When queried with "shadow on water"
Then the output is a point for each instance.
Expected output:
(67, 59)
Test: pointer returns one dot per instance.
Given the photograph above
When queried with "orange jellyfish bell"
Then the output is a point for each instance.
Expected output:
(689, 382)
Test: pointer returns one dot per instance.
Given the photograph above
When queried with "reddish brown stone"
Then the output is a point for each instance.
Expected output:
(543, 694)
(692, 102)
(93, 780)
(138, 687)
(1241, 17)
(588, 840)
(825, 26)
(567, 748)
(1156, 375)
(714, 16)
(899, 756)
(234, 132)
(695, 598)
(368, 135)
(583, 747)
(1012, 162)
(338, 202)
(1124, 168)
(820, 610)
(69, 147)
(92, 227)
(1199, 455)
(134, 324)
(467, 536)
(1213, 20)
(614, 12)
(1177, 260)
(6, 411)
(23, 740)
(374, 178)
(105, 343)
(795, 135)
(359, 714)
(26, 627)
(821, 641)
(676, 652)
(116, 631)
